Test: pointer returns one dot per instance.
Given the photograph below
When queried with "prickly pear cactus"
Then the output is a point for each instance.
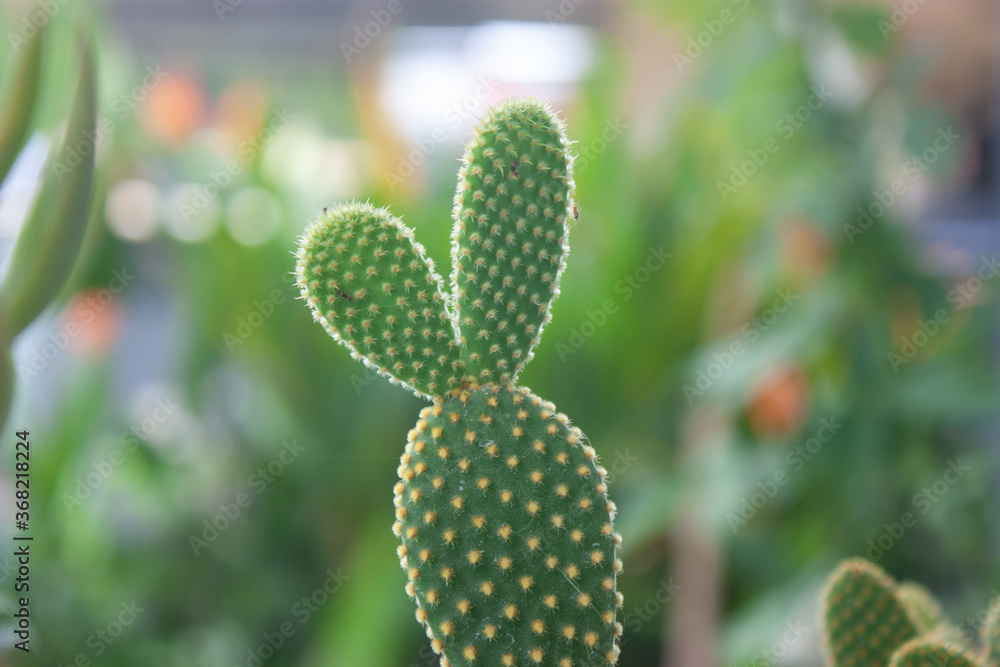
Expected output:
(924, 610)
(871, 621)
(507, 532)
(863, 616)
(925, 652)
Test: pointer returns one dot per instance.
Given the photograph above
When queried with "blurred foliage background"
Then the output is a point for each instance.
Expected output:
(778, 325)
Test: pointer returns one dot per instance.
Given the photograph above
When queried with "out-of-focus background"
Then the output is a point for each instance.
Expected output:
(778, 325)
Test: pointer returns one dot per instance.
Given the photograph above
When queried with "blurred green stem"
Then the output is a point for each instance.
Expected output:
(49, 243)
(6, 379)
(19, 96)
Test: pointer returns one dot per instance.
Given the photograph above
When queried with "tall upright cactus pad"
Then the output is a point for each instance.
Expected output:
(864, 619)
(47, 247)
(507, 532)
(509, 240)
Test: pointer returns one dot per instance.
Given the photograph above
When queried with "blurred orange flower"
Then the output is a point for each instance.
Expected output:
(242, 110)
(91, 322)
(778, 402)
(173, 109)
(806, 249)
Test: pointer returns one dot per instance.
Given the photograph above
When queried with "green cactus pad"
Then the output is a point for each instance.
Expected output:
(376, 292)
(922, 652)
(863, 617)
(990, 636)
(507, 533)
(509, 241)
(923, 608)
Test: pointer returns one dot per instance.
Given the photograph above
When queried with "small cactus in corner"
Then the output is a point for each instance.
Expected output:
(869, 620)
(507, 532)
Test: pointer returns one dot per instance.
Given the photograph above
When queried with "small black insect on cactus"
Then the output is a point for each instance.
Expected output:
(507, 532)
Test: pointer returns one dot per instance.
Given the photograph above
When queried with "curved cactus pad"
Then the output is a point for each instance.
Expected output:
(509, 241)
(928, 653)
(376, 292)
(922, 607)
(863, 617)
(507, 533)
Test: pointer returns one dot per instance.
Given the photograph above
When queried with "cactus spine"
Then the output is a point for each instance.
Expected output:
(507, 532)
(869, 620)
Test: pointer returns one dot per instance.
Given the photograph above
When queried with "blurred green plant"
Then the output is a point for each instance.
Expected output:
(651, 185)
(490, 469)
(49, 243)
(871, 621)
